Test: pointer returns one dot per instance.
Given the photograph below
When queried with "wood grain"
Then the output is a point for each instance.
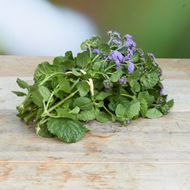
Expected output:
(148, 154)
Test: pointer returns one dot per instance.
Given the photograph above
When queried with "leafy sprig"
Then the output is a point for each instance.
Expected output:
(113, 81)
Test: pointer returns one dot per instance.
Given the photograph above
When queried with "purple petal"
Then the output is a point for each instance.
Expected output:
(131, 67)
(122, 81)
(162, 92)
(97, 51)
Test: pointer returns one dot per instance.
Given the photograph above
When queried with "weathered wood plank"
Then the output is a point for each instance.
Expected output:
(128, 176)
(164, 140)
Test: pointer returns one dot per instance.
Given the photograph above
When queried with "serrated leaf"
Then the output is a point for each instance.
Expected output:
(83, 103)
(83, 88)
(64, 113)
(86, 115)
(97, 65)
(43, 131)
(170, 103)
(102, 95)
(135, 85)
(18, 93)
(121, 111)
(134, 109)
(144, 107)
(83, 59)
(67, 130)
(149, 80)
(64, 85)
(45, 93)
(75, 110)
(153, 113)
(22, 84)
(104, 48)
(116, 75)
(37, 97)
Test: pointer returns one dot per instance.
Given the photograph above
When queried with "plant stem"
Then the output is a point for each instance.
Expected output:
(108, 111)
(62, 101)
(127, 95)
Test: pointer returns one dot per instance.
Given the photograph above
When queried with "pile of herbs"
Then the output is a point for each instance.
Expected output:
(113, 81)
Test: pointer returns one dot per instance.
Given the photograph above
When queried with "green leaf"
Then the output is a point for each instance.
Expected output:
(75, 110)
(144, 107)
(42, 71)
(134, 109)
(37, 97)
(42, 131)
(135, 85)
(104, 48)
(153, 113)
(64, 85)
(102, 95)
(121, 111)
(149, 80)
(67, 130)
(18, 93)
(145, 95)
(22, 84)
(170, 103)
(135, 58)
(86, 115)
(83, 59)
(83, 103)
(45, 93)
(97, 65)
(102, 117)
(116, 75)
(64, 113)
(83, 88)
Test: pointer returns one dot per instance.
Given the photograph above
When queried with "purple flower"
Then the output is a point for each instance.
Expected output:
(162, 92)
(117, 34)
(117, 57)
(122, 81)
(130, 52)
(129, 41)
(96, 51)
(131, 67)
(117, 42)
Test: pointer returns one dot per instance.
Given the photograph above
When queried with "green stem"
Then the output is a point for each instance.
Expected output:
(62, 101)
(127, 95)
(108, 111)
(52, 75)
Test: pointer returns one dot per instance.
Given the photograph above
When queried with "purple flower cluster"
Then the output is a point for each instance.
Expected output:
(115, 38)
(117, 57)
(130, 44)
(122, 80)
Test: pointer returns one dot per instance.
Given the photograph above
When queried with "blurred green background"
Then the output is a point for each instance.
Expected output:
(50, 27)
(162, 27)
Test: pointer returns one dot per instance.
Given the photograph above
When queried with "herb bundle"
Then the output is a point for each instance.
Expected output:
(113, 81)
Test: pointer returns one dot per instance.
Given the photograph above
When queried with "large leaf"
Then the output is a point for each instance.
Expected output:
(116, 76)
(86, 115)
(153, 113)
(67, 130)
(22, 84)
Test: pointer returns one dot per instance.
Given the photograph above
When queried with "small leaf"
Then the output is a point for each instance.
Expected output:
(83, 59)
(64, 113)
(102, 95)
(37, 97)
(22, 84)
(135, 85)
(170, 103)
(149, 80)
(83, 88)
(43, 131)
(18, 93)
(67, 130)
(116, 76)
(75, 110)
(45, 93)
(153, 113)
(102, 117)
(86, 115)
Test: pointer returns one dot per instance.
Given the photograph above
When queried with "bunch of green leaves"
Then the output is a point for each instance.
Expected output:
(74, 90)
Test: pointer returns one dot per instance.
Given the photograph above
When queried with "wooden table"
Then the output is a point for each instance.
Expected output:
(147, 155)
